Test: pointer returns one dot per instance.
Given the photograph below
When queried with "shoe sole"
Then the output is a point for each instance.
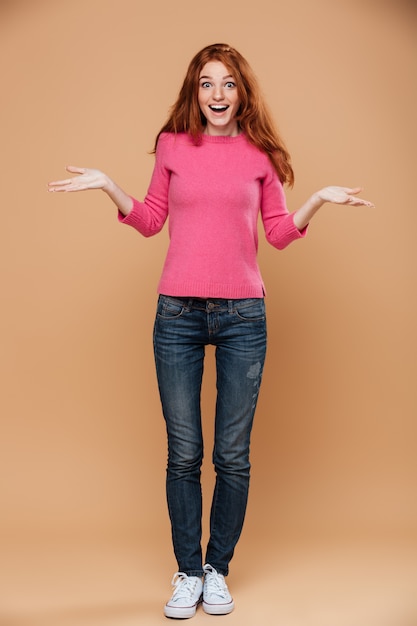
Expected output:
(184, 612)
(218, 609)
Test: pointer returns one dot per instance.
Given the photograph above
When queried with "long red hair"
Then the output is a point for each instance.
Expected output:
(253, 116)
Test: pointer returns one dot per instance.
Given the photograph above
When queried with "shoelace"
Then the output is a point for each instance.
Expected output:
(215, 584)
(184, 586)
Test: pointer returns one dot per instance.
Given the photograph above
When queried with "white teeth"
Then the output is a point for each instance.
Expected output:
(218, 107)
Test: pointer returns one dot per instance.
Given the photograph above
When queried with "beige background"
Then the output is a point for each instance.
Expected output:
(330, 537)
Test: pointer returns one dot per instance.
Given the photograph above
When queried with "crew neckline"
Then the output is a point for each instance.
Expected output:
(222, 138)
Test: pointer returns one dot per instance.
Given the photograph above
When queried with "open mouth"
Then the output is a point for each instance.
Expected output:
(218, 108)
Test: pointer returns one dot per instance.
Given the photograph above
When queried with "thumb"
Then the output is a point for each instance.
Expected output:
(75, 170)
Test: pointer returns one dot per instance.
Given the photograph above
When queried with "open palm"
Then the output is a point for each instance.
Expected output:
(343, 195)
(86, 179)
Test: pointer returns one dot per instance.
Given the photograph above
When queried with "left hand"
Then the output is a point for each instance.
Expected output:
(343, 195)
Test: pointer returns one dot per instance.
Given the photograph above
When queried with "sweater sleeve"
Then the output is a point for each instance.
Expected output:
(149, 216)
(279, 226)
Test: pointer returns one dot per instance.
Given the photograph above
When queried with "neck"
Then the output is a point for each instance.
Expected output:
(222, 132)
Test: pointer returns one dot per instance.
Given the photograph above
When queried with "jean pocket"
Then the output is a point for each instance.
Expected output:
(251, 310)
(169, 308)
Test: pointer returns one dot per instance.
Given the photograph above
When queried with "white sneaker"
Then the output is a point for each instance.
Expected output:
(216, 597)
(186, 596)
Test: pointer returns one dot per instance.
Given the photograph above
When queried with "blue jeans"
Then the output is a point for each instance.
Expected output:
(183, 327)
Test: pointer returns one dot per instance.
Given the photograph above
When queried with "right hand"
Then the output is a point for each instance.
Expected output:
(86, 179)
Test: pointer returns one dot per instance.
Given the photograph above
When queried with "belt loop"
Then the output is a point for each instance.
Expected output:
(189, 304)
(230, 306)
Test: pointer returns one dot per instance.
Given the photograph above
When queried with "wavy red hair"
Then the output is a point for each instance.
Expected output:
(253, 116)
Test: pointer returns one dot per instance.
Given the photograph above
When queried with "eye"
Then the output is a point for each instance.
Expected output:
(230, 84)
(205, 84)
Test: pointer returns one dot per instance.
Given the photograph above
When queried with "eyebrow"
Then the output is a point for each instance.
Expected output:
(211, 78)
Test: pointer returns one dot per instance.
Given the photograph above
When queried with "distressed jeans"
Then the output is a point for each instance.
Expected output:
(237, 329)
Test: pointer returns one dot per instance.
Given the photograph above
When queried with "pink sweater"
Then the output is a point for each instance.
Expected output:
(212, 194)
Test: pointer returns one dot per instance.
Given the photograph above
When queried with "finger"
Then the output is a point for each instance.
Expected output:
(367, 203)
(59, 188)
(60, 183)
(69, 184)
(352, 190)
(74, 186)
(75, 170)
(361, 202)
(68, 188)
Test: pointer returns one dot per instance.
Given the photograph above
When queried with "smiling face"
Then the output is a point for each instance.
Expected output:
(218, 99)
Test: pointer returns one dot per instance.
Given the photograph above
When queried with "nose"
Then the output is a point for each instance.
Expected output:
(218, 93)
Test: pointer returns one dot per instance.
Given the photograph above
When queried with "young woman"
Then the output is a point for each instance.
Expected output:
(219, 162)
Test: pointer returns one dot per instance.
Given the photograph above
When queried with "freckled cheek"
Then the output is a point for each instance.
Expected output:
(235, 108)
(201, 101)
